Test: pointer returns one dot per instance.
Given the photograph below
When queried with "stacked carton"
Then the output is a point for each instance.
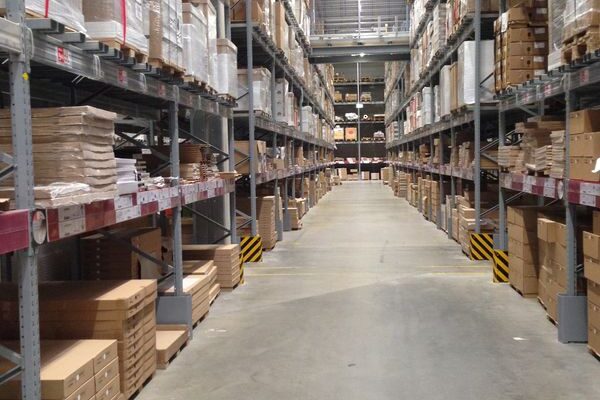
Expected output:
(225, 257)
(208, 268)
(521, 45)
(72, 151)
(118, 310)
(558, 154)
(103, 257)
(266, 208)
(523, 249)
(591, 253)
(584, 146)
(295, 220)
(552, 258)
(70, 369)
(169, 340)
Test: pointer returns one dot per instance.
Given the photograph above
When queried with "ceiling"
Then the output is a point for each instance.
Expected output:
(342, 16)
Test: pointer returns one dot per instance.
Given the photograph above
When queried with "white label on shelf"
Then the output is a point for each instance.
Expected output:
(70, 212)
(527, 186)
(549, 192)
(123, 202)
(188, 198)
(63, 56)
(584, 76)
(547, 89)
(146, 151)
(164, 204)
(587, 199)
(211, 193)
(590, 188)
(126, 214)
(71, 228)
(539, 31)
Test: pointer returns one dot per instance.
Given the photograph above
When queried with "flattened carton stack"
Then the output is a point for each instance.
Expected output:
(591, 253)
(72, 151)
(552, 259)
(265, 210)
(120, 310)
(106, 258)
(523, 249)
(71, 369)
(226, 258)
(208, 268)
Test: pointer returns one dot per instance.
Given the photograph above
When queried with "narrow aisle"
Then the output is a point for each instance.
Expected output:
(370, 301)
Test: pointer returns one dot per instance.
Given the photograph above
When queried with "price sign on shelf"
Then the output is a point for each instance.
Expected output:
(547, 89)
(584, 76)
(549, 191)
(587, 200)
(63, 56)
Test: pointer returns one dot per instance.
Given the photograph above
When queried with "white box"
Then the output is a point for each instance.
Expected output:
(466, 72)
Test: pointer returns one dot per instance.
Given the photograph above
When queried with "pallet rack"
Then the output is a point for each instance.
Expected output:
(47, 64)
(257, 49)
(569, 85)
(469, 26)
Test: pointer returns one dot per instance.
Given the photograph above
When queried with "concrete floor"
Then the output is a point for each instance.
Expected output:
(370, 301)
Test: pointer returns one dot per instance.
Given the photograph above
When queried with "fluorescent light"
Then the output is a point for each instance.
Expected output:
(359, 105)
(362, 54)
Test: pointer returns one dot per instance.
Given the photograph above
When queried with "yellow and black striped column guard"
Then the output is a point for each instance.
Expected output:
(482, 246)
(251, 248)
(241, 269)
(501, 266)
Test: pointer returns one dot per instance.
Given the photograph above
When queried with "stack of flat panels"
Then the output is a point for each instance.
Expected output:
(106, 258)
(296, 222)
(198, 287)
(72, 146)
(169, 340)
(226, 258)
(118, 310)
(265, 210)
(558, 154)
(198, 267)
(543, 159)
(507, 156)
(71, 369)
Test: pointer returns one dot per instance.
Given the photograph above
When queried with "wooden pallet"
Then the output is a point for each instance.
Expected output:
(594, 353)
(552, 320)
(582, 43)
(175, 72)
(127, 50)
(165, 357)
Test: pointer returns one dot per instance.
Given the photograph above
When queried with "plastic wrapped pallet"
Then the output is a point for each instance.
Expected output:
(307, 119)
(66, 12)
(466, 71)
(281, 90)
(211, 19)
(261, 89)
(436, 102)
(227, 64)
(556, 21)
(119, 21)
(195, 42)
(166, 39)
(427, 109)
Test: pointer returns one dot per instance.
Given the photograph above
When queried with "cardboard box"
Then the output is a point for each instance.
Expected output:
(525, 216)
(581, 169)
(590, 145)
(593, 292)
(526, 252)
(522, 235)
(351, 134)
(596, 222)
(584, 121)
(591, 245)
(524, 62)
(539, 48)
(242, 150)
(524, 268)
(518, 34)
(526, 285)
(546, 230)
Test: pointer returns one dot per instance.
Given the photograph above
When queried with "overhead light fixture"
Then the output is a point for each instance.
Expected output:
(360, 105)
(362, 55)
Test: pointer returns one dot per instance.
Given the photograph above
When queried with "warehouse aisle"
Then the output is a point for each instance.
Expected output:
(369, 301)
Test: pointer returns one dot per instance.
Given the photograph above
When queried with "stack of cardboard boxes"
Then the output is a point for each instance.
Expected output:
(207, 268)
(119, 310)
(225, 257)
(584, 144)
(71, 369)
(521, 45)
(523, 249)
(591, 253)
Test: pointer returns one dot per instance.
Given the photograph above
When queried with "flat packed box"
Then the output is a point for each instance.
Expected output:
(584, 121)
